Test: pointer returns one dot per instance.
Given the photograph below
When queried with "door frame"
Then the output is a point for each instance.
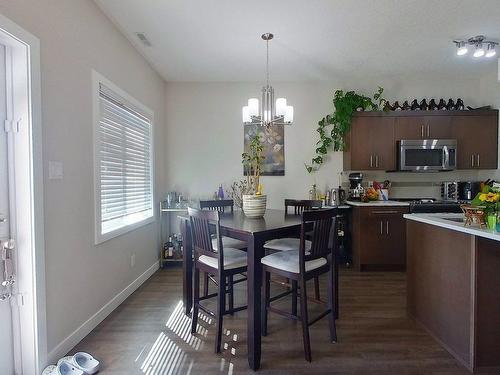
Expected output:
(28, 214)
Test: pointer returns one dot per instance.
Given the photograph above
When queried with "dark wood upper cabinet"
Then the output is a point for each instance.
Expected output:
(477, 138)
(371, 143)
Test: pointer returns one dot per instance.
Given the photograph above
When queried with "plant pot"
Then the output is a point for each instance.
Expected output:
(491, 220)
(254, 206)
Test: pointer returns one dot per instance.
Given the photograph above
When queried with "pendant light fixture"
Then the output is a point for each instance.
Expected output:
(476, 43)
(268, 112)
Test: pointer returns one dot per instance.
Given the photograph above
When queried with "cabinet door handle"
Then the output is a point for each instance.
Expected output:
(387, 227)
(478, 162)
(428, 131)
(421, 131)
(376, 161)
(371, 161)
(387, 212)
(381, 227)
(472, 160)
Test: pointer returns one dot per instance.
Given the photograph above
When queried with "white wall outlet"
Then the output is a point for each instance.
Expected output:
(56, 170)
(132, 260)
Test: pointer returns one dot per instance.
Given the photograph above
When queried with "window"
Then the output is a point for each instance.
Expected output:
(123, 161)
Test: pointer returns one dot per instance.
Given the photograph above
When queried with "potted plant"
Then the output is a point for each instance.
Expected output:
(254, 202)
(488, 198)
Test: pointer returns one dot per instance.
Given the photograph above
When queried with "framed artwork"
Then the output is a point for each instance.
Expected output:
(273, 139)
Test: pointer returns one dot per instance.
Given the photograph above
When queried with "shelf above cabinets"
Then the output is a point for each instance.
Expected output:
(371, 143)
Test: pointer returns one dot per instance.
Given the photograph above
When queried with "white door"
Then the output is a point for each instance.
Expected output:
(6, 335)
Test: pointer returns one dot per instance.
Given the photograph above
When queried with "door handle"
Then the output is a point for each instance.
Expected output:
(428, 131)
(421, 131)
(478, 162)
(381, 227)
(371, 161)
(472, 160)
(376, 161)
(387, 227)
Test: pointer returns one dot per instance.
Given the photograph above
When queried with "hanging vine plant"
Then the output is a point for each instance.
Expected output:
(333, 128)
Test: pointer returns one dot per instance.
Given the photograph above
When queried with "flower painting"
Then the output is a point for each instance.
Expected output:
(273, 140)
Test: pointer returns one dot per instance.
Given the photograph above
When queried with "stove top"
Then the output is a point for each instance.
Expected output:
(431, 205)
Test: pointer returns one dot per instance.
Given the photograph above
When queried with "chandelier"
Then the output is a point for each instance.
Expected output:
(477, 43)
(269, 112)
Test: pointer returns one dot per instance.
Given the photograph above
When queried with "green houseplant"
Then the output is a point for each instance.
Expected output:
(333, 128)
(254, 202)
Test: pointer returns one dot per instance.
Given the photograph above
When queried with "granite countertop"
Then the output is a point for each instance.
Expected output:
(378, 203)
(452, 221)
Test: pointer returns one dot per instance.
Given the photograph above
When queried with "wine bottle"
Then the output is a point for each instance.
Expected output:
(170, 248)
(450, 105)
(441, 104)
(405, 106)
(414, 105)
(387, 106)
(396, 106)
(432, 105)
(459, 105)
(423, 105)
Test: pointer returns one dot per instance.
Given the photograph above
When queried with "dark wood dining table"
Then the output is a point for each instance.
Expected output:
(255, 232)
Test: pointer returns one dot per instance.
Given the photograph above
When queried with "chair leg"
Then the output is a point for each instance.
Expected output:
(332, 306)
(264, 301)
(196, 300)
(231, 294)
(305, 319)
(316, 288)
(294, 297)
(221, 300)
(205, 283)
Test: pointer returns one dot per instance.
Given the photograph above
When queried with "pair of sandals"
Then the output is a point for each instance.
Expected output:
(79, 364)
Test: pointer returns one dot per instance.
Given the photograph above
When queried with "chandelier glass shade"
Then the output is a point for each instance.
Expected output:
(477, 45)
(268, 112)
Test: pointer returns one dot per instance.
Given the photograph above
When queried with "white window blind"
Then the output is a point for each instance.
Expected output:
(124, 155)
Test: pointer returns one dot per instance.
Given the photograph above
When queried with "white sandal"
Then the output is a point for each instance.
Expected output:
(84, 362)
(65, 367)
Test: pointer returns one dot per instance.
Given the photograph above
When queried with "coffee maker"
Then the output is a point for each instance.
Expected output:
(356, 190)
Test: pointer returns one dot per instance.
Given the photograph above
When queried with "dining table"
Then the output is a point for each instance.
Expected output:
(274, 224)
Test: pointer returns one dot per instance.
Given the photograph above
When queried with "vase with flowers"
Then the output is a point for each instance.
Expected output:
(254, 202)
(489, 199)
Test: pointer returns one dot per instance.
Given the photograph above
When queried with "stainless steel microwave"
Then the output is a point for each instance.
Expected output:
(427, 155)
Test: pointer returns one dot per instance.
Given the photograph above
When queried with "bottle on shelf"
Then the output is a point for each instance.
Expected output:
(414, 105)
(181, 246)
(170, 248)
(405, 106)
(459, 105)
(396, 106)
(450, 105)
(432, 105)
(165, 250)
(441, 104)
(423, 105)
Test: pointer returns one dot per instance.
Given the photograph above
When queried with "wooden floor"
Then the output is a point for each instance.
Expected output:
(149, 334)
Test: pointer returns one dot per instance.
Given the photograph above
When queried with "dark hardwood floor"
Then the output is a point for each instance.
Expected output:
(149, 334)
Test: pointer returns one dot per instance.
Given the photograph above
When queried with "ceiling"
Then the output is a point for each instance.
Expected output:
(315, 40)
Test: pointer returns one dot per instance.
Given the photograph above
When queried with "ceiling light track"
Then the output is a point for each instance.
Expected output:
(477, 44)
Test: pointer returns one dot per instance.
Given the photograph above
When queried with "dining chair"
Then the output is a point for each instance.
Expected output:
(223, 264)
(302, 265)
(292, 244)
(222, 206)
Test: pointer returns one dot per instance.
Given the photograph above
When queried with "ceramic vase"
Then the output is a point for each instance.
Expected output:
(254, 206)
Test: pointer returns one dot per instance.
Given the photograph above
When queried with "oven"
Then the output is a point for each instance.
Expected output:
(427, 155)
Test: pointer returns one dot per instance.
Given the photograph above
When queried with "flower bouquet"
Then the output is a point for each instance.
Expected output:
(488, 200)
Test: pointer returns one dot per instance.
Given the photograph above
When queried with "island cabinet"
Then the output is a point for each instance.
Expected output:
(371, 143)
(477, 141)
(379, 238)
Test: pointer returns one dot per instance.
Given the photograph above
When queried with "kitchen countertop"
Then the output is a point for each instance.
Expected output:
(378, 203)
(440, 220)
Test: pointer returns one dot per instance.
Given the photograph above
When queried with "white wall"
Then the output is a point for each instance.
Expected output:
(205, 134)
(76, 38)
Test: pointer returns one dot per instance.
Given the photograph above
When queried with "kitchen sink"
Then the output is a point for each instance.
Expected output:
(455, 219)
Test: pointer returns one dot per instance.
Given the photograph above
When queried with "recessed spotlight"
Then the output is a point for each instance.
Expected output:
(490, 52)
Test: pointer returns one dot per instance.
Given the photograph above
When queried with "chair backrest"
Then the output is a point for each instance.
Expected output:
(201, 221)
(321, 225)
(218, 205)
(300, 206)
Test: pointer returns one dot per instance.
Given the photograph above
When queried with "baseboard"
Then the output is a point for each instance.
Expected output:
(77, 335)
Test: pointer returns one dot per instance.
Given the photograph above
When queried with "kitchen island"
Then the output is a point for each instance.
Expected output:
(453, 276)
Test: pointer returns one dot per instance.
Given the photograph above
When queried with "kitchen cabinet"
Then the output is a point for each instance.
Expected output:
(477, 141)
(379, 238)
(371, 144)
(423, 127)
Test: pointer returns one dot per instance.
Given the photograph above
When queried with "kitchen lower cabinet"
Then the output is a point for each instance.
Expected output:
(379, 238)
(477, 141)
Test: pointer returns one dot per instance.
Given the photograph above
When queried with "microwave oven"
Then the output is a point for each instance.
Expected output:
(427, 155)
